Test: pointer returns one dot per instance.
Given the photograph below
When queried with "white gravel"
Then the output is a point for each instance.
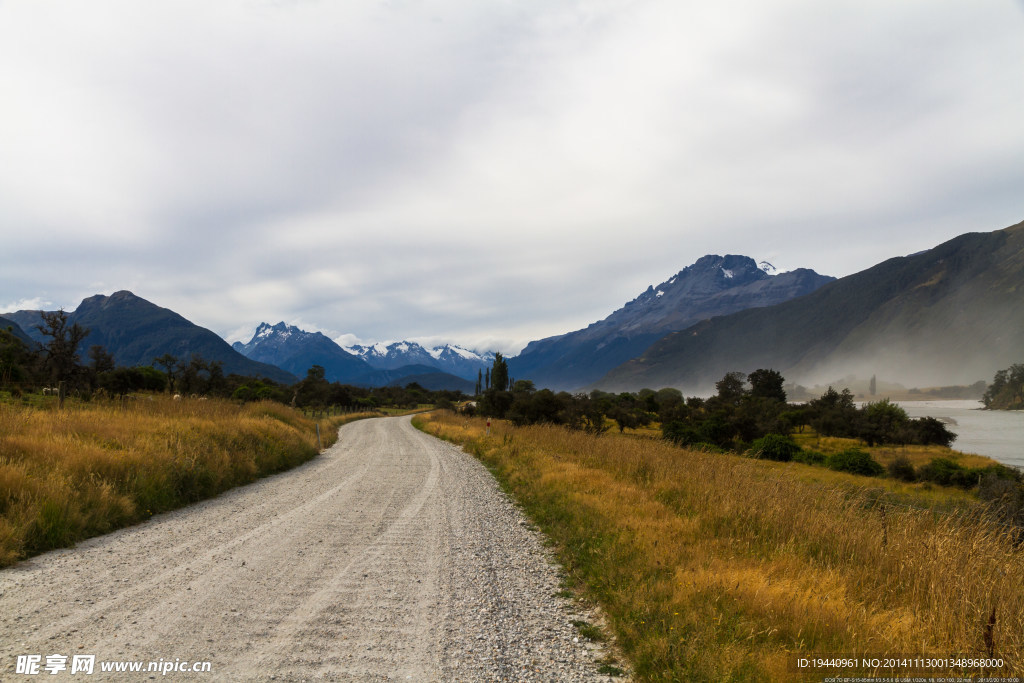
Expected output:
(392, 556)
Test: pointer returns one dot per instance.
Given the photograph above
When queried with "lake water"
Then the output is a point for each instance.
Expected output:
(999, 434)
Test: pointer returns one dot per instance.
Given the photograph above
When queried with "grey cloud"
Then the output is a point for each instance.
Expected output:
(498, 171)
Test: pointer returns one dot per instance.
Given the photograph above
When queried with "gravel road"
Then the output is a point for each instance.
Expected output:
(392, 556)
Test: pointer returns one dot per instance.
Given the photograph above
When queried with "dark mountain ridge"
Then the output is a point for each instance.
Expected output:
(15, 328)
(713, 285)
(136, 331)
(948, 315)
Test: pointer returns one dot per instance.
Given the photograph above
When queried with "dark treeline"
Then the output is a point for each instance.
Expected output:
(58, 364)
(744, 409)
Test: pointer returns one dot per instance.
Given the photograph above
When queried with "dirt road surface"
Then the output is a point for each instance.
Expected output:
(392, 556)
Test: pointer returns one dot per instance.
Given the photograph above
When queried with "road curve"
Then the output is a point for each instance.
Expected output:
(392, 556)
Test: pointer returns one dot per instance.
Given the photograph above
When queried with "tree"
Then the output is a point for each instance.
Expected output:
(479, 382)
(731, 387)
(314, 389)
(62, 350)
(1007, 389)
(16, 360)
(100, 360)
(170, 365)
(499, 373)
(767, 384)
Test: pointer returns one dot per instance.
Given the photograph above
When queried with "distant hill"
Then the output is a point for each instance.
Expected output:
(949, 315)
(436, 381)
(421, 374)
(713, 285)
(136, 331)
(6, 322)
(296, 351)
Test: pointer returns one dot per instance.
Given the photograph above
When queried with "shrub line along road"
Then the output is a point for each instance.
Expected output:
(392, 556)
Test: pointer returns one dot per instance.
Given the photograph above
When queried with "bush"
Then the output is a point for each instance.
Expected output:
(929, 430)
(680, 433)
(855, 461)
(775, 447)
(945, 472)
(810, 457)
(902, 469)
(949, 473)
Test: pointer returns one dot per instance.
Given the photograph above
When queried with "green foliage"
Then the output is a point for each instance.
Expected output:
(775, 447)
(767, 384)
(947, 472)
(808, 457)
(1007, 389)
(855, 461)
(499, 373)
(902, 469)
(880, 422)
(121, 381)
(16, 360)
(733, 417)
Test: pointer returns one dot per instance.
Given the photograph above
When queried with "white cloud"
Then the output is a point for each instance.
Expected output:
(33, 304)
(486, 171)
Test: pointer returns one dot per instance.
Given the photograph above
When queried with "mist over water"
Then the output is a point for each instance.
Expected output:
(999, 434)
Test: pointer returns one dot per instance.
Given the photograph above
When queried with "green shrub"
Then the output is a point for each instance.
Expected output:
(945, 472)
(774, 447)
(855, 461)
(902, 469)
(810, 457)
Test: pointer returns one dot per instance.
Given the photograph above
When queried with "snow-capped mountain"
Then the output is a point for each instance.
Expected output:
(296, 351)
(385, 356)
(448, 358)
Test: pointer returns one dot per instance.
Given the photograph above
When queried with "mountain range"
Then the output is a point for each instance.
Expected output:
(295, 350)
(713, 286)
(136, 331)
(448, 358)
(949, 315)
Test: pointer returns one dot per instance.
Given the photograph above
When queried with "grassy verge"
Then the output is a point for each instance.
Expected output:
(718, 567)
(92, 468)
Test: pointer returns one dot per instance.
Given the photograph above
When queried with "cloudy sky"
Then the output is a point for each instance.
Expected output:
(486, 172)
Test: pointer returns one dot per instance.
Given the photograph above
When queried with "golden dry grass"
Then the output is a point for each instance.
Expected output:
(718, 567)
(91, 468)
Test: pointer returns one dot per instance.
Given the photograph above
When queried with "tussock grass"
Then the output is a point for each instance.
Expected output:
(92, 468)
(718, 567)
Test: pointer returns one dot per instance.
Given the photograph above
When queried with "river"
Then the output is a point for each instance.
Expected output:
(999, 434)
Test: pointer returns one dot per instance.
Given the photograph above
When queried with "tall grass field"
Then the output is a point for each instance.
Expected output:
(90, 468)
(718, 567)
